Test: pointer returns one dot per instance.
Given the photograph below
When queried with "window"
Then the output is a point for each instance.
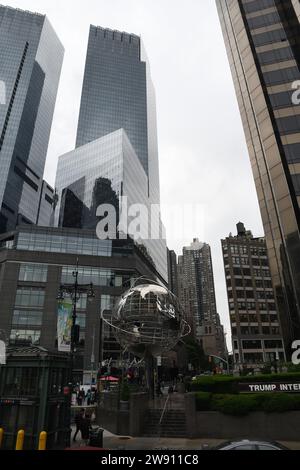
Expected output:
(33, 273)
(245, 447)
(264, 20)
(292, 152)
(244, 319)
(271, 36)
(275, 55)
(264, 318)
(99, 277)
(25, 336)
(254, 344)
(296, 183)
(275, 330)
(253, 358)
(273, 344)
(279, 100)
(253, 319)
(27, 318)
(265, 330)
(81, 320)
(35, 241)
(234, 250)
(288, 124)
(257, 5)
(30, 297)
(281, 76)
(266, 447)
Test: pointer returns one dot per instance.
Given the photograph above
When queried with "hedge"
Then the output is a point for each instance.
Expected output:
(222, 384)
(241, 405)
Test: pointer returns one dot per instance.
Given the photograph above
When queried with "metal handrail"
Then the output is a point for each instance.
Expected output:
(164, 410)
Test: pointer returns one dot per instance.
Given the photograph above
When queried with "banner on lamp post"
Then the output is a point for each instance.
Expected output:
(64, 325)
(2, 353)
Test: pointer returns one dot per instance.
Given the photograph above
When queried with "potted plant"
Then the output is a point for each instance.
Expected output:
(124, 396)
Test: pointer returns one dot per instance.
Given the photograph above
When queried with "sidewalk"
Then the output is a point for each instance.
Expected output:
(112, 442)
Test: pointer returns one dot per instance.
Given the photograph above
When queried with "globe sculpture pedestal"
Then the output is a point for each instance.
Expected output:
(148, 321)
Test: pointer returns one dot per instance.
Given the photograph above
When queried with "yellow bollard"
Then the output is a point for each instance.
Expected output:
(43, 441)
(20, 440)
(1, 436)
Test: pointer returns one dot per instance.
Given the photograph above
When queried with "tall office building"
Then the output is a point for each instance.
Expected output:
(116, 151)
(31, 57)
(255, 324)
(172, 271)
(197, 296)
(263, 45)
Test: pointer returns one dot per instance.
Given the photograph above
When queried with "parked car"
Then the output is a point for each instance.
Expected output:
(250, 445)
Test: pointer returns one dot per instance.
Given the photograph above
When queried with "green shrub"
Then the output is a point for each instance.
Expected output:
(203, 401)
(215, 384)
(279, 403)
(241, 405)
(235, 405)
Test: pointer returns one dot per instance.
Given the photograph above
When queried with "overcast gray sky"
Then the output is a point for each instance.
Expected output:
(202, 151)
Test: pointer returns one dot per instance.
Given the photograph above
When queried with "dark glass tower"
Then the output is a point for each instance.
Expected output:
(31, 58)
(118, 93)
(263, 44)
(116, 152)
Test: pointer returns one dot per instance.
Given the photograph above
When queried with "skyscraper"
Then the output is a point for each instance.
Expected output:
(197, 295)
(172, 271)
(255, 324)
(116, 151)
(118, 93)
(263, 45)
(31, 57)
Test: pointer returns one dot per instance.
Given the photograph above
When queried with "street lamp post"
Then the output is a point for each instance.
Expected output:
(75, 291)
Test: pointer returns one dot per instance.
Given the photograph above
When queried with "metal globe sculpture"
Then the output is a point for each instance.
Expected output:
(148, 320)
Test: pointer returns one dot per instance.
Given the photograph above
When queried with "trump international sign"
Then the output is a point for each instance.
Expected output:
(287, 387)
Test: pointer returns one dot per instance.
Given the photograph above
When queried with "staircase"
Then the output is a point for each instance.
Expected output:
(173, 424)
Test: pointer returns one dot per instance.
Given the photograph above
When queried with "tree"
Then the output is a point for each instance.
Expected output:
(196, 355)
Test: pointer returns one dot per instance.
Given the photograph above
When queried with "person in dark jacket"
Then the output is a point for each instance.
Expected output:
(78, 422)
(85, 428)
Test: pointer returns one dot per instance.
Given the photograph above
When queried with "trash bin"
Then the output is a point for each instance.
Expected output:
(96, 437)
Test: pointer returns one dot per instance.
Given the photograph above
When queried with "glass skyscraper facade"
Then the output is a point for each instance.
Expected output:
(31, 57)
(116, 151)
(118, 93)
(263, 45)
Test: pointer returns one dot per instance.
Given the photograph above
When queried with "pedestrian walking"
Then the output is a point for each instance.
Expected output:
(89, 397)
(85, 429)
(78, 422)
(158, 390)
